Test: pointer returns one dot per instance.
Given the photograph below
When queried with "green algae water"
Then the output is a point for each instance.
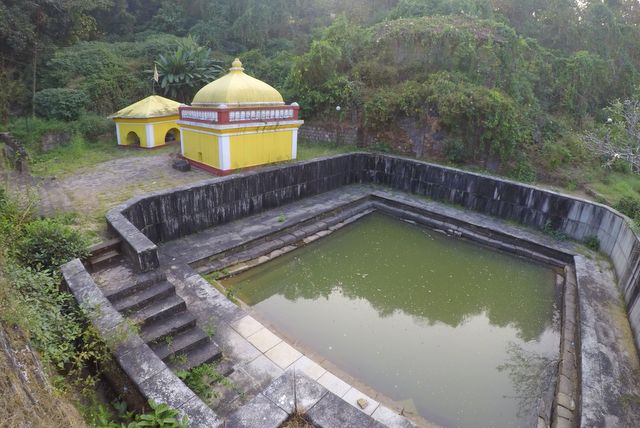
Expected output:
(461, 333)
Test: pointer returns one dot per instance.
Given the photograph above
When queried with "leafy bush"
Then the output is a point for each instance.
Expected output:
(454, 150)
(160, 416)
(110, 74)
(93, 126)
(488, 120)
(524, 171)
(47, 244)
(60, 103)
(45, 312)
(629, 206)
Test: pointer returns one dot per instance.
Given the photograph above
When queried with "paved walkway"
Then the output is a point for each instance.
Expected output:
(110, 183)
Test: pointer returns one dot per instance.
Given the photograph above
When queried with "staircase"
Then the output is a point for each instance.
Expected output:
(104, 254)
(165, 324)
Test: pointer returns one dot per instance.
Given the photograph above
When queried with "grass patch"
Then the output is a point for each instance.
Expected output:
(307, 150)
(202, 380)
(80, 154)
(616, 186)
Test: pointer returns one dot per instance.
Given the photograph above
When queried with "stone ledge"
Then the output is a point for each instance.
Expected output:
(143, 369)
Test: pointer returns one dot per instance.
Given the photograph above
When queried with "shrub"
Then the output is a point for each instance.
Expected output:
(454, 150)
(47, 244)
(524, 171)
(160, 416)
(93, 126)
(60, 103)
(629, 206)
(45, 312)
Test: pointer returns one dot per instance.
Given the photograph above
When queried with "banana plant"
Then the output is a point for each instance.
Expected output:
(186, 70)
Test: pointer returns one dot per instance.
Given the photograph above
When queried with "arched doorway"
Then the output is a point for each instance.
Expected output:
(133, 139)
(172, 136)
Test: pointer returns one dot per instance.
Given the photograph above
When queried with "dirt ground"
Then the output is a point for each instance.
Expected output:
(91, 192)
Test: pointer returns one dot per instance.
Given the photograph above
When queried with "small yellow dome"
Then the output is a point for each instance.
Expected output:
(153, 106)
(237, 89)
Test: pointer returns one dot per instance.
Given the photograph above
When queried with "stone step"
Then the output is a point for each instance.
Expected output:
(105, 246)
(145, 296)
(205, 353)
(158, 330)
(158, 311)
(180, 343)
(104, 259)
(142, 281)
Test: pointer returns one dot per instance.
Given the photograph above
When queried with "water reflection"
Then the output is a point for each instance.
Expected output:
(443, 324)
(532, 375)
(402, 267)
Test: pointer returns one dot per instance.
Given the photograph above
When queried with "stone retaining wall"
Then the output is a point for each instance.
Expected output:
(339, 133)
(168, 215)
(15, 152)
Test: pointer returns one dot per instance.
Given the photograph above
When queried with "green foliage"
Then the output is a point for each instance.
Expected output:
(417, 8)
(202, 378)
(93, 126)
(31, 298)
(553, 232)
(160, 416)
(186, 70)
(29, 131)
(582, 82)
(46, 244)
(486, 119)
(54, 324)
(112, 75)
(629, 206)
(592, 242)
(60, 103)
(13, 217)
(524, 171)
(274, 68)
(455, 150)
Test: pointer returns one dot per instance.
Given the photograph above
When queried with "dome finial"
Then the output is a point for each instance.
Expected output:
(236, 65)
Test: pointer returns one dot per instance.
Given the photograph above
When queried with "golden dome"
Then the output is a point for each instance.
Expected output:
(237, 89)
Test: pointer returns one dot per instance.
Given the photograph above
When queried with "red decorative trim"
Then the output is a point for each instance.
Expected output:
(224, 114)
(207, 168)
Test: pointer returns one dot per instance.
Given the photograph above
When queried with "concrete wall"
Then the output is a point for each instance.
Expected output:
(169, 215)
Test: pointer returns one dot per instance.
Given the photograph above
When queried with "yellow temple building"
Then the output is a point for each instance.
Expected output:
(236, 122)
(148, 123)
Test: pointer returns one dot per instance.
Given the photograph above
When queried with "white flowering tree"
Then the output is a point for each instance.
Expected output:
(619, 139)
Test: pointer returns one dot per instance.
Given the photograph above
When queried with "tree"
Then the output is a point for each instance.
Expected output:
(186, 70)
(619, 140)
(12, 90)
